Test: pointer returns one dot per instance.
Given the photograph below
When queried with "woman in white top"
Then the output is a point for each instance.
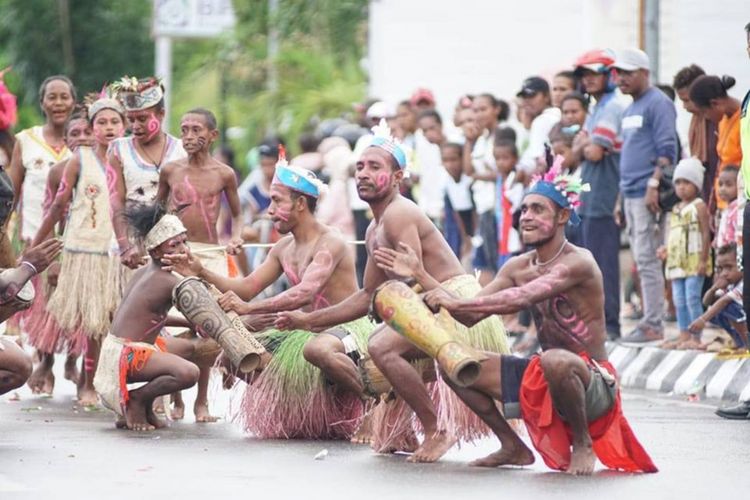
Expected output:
(134, 161)
(38, 148)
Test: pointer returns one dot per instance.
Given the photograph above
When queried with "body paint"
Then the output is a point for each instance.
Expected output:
(153, 127)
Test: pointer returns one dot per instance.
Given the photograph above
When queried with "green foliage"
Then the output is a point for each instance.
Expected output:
(320, 45)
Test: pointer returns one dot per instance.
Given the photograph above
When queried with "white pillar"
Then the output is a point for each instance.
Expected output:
(163, 70)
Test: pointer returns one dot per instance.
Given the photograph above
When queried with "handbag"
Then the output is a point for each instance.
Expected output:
(667, 196)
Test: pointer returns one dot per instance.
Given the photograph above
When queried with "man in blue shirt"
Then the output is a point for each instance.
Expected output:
(649, 146)
(599, 144)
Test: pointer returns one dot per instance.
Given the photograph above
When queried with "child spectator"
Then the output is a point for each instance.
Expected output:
(509, 197)
(726, 228)
(561, 139)
(459, 208)
(724, 299)
(688, 250)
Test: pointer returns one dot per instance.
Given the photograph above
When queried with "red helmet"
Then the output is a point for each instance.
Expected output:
(598, 61)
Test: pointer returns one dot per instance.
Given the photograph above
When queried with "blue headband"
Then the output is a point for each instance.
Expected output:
(548, 190)
(391, 148)
(297, 179)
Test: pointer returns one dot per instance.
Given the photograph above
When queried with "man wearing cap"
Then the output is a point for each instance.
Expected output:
(568, 396)
(320, 269)
(599, 144)
(134, 161)
(536, 101)
(649, 147)
(422, 100)
(398, 224)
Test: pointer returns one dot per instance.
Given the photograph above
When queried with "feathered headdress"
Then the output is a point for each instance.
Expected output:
(383, 139)
(563, 189)
(296, 178)
(137, 94)
(106, 98)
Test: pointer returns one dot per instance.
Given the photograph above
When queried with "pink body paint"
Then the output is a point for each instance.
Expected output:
(186, 194)
(153, 127)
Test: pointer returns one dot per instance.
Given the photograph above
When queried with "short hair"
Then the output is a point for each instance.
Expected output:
(686, 76)
(576, 96)
(505, 134)
(55, 78)
(79, 113)
(567, 74)
(558, 134)
(311, 202)
(503, 111)
(406, 104)
(431, 113)
(309, 142)
(747, 27)
(730, 168)
(207, 115)
(727, 249)
(667, 89)
(708, 87)
(453, 145)
(506, 144)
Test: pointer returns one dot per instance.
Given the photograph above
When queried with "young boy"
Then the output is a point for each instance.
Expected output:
(561, 140)
(192, 188)
(724, 299)
(459, 208)
(133, 351)
(508, 204)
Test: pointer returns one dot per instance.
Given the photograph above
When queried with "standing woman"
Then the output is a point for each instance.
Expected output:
(709, 94)
(84, 299)
(38, 148)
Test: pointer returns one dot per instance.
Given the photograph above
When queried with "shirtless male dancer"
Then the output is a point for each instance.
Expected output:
(316, 262)
(192, 188)
(569, 394)
(397, 221)
(136, 327)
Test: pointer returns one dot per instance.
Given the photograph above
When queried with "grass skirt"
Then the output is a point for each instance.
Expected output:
(43, 331)
(84, 298)
(291, 399)
(394, 423)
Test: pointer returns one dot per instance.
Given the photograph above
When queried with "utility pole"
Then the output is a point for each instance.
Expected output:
(650, 34)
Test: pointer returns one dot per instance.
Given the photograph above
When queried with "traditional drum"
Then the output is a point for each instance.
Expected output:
(198, 304)
(403, 310)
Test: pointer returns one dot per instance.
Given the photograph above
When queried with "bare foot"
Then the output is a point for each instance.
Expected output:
(508, 455)
(38, 378)
(364, 432)
(158, 406)
(88, 397)
(154, 420)
(691, 344)
(49, 384)
(71, 370)
(202, 415)
(178, 412)
(135, 416)
(582, 461)
(434, 446)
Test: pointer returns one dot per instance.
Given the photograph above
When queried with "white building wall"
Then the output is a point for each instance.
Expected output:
(454, 47)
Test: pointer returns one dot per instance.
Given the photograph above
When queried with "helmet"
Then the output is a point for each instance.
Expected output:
(598, 61)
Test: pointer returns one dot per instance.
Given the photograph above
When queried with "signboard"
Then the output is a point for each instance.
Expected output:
(192, 18)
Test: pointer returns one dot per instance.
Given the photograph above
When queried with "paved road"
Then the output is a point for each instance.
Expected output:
(48, 449)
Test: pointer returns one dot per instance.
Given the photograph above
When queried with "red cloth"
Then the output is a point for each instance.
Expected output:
(615, 443)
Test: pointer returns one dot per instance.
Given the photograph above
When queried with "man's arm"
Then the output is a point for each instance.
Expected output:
(62, 198)
(233, 200)
(187, 264)
(560, 278)
(313, 282)
(356, 306)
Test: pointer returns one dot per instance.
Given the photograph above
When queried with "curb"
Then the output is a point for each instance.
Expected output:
(682, 373)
